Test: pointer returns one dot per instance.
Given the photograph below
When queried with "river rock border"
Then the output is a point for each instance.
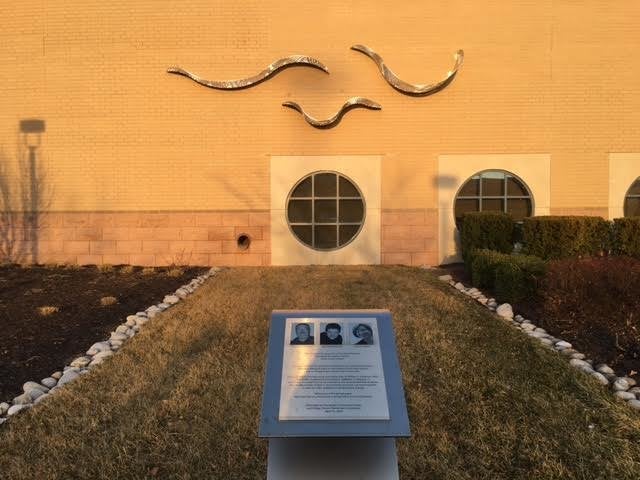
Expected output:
(623, 388)
(36, 392)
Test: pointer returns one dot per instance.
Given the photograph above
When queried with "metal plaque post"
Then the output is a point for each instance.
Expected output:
(333, 399)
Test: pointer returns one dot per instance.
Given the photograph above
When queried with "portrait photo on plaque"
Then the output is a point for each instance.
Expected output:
(362, 334)
(302, 334)
(331, 333)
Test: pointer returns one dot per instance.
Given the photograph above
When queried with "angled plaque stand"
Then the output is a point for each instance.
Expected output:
(333, 400)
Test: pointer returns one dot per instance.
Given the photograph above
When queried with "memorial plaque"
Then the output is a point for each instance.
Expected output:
(332, 370)
(333, 374)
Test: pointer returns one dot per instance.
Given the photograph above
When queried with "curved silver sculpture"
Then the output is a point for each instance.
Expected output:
(408, 88)
(291, 61)
(351, 103)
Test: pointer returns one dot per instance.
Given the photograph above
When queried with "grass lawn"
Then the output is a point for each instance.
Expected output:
(182, 398)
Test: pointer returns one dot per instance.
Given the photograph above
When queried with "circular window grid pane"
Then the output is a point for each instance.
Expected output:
(351, 211)
(515, 188)
(471, 188)
(317, 220)
(346, 233)
(632, 207)
(464, 205)
(299, 211)
(348, 189)
(303, 232)
(325, 185)
(303, 189)
(519, 208)
(325, 211)
(493, 205)
(635, 188)
(493, 184)
(325, 237)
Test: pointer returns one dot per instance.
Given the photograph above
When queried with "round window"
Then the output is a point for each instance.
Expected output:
(632, 200)
(494, 190)
(325, 210)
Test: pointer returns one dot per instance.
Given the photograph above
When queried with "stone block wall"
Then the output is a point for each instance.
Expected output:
(409, 237)
(145, 238)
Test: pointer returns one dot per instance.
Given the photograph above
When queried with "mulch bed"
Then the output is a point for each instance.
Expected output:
(602, 323)
(595, 304)
(33, 345)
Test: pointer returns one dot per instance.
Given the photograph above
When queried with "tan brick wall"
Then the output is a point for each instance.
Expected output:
(547, 76)
(409, 238)
(127, 238)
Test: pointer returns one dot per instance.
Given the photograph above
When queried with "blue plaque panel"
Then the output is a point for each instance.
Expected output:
(376, 418)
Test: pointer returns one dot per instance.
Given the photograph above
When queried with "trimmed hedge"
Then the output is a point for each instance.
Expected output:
(518, 280)
(483, 267)
(555, 237)
(513, 277)
(626, 236)
(485, 230)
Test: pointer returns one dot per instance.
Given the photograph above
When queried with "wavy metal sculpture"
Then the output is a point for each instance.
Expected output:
(272, 69)
(408, 88)
(350, 104)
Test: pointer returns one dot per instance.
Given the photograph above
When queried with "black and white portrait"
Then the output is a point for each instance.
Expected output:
(362, 334)
(331, 334)
(302, 334)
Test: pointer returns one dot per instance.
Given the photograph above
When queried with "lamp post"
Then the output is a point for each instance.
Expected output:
(32, 130)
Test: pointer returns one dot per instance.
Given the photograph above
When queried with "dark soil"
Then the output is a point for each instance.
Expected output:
(599, 342)
(593, 313)
(33, 345)
(595, 304)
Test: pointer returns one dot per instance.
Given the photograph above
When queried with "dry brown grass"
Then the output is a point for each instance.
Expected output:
(182, 399)
(105, 268)
(107, 301)
(127, 269)
(48, 310)
(148, 271)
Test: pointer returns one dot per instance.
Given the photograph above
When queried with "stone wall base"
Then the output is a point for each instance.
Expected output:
(188, 238)
(139, 238)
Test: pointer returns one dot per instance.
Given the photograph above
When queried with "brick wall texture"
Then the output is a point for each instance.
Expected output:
(127, 139)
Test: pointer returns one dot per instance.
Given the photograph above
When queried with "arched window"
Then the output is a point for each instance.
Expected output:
(632, 200)
(325, 210)
(494, 190)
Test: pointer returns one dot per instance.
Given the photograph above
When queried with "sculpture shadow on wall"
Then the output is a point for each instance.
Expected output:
(24, 197)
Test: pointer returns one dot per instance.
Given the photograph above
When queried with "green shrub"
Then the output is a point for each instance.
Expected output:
(517, 280)
(513, 277)
(485, 230)
(626, 236)
(565, 237)
(483, 267)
